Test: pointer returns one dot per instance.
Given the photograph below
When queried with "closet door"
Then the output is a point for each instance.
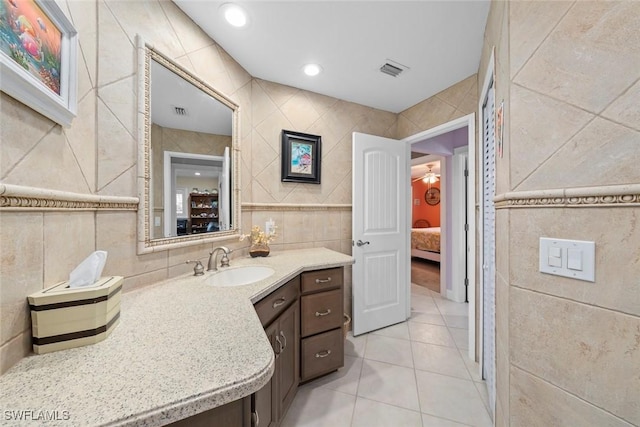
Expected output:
(489, 246)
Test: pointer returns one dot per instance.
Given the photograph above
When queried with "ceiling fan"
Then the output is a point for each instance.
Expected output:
(429, 177)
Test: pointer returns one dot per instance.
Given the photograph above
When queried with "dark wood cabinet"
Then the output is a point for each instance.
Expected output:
(322, 343)
(279, 313)
(203, 213)
(236, 414)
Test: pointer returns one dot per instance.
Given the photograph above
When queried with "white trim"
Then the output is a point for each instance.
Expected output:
(488, 81)
(457, 227)
(469, 122)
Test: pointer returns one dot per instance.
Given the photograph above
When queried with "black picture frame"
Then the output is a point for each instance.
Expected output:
(301, 157)
(432, 196)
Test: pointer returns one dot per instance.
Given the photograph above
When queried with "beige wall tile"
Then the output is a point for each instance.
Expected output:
(531, 22)
(601, 146)
(82, 139)
(625, 109)
(261, 104)
(327, 226)
(120, 98)
(116, 52)
(190, 36)
(12, 351)
(115, 233)
(64, 251)
(279, 94)
(615, 233)
(574, 63)
(585, 350)
(22, 268)
(138, 281)
(263, 154)
(537, 403)
(298, 227)
(117, 149)
(84, 15)
(209, 66)
(53, 149)
(300, 112)
(21, 129)
(528, 110)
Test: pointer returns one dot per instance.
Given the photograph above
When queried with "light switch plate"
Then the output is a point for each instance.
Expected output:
(548, 256)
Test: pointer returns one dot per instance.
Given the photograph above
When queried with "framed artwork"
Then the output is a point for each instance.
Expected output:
(38, 57)
(432, 196)
(300, 155)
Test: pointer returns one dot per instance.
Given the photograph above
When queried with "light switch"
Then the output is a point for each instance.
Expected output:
(579, 255)
(574, 259)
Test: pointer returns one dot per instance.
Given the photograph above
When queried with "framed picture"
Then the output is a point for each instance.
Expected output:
(38, 57)
(432, 196)
(301, 154)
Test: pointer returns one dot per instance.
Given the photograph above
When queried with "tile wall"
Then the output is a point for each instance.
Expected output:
(567, 351)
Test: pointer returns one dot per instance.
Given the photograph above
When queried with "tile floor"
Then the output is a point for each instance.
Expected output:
(415, 373)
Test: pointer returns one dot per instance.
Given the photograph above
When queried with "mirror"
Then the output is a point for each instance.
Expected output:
(188, 157)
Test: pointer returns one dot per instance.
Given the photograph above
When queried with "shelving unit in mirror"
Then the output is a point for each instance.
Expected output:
(203, 213)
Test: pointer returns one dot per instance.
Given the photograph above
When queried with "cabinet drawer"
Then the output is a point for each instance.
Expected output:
(321, 354)
(321, 312)
(276, 302)
(320, 280)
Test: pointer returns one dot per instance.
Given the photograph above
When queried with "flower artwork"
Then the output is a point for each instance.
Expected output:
(29, 38)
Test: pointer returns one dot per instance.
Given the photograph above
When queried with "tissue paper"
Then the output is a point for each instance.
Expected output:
(89, 270)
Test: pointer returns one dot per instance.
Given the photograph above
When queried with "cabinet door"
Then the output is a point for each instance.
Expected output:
(287, 364)
(264, 402)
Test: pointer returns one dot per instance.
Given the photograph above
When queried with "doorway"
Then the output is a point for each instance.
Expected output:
(464, 259)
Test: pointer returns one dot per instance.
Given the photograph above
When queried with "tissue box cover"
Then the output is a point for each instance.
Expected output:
(63, 317)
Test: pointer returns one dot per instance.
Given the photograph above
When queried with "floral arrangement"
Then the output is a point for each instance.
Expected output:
(259, 237)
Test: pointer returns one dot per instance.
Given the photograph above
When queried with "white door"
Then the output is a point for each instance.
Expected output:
(380, 227)
(488, 246)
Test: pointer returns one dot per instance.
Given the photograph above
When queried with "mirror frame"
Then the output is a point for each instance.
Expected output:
(145, 54)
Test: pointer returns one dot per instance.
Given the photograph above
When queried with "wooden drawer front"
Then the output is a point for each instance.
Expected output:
(321, 312)
(320, 280)
(321, 354)
(276, 302)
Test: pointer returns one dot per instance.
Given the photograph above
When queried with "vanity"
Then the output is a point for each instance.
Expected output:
(185, 348)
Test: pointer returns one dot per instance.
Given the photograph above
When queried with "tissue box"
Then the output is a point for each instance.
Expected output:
(63, 317)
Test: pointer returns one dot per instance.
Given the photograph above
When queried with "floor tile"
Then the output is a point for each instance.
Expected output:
(344, 379)
(431, 421)
(420, 290)
(481, 386)
(388, 383)
(461, 337)
(354, 346)
(472, 366)
(319, 407)
(369, 413)
(424, 304)
(401, 330)
(433, 319)
(451, 307)
(431, 334)
(390, 350)
(451, 398)
(456, 321)
(439, 359)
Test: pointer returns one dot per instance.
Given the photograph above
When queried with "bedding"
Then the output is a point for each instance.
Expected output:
(426, 239)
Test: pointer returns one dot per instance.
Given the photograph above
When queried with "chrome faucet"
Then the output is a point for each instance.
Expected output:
(213, 258)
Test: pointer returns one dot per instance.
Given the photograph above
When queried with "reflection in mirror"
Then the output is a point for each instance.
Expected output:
(190, 186)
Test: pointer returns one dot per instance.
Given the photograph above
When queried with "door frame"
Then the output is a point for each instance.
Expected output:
(470, 122)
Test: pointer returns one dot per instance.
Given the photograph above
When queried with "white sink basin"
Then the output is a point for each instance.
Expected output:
(238, 276)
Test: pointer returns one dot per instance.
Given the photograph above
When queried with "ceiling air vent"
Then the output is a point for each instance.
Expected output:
(180, 111)
(393, 68)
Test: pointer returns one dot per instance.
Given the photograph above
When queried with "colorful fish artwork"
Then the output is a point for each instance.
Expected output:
(30, 38)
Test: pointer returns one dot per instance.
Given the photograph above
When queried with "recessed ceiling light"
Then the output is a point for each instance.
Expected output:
(234, 14)
(197, 173)
(312, 69)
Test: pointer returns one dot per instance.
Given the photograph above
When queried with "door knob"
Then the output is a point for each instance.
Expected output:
(361, 243)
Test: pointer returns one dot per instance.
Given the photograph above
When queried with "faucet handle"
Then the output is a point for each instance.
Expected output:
(224, 261)
(198, 269)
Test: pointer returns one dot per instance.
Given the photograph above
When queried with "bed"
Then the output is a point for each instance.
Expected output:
(425, 241)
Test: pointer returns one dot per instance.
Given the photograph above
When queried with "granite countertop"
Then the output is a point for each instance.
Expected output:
(182, 347)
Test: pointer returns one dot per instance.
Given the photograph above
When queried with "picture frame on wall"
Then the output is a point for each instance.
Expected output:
(301, 157)
(38, 58)
(432, 196)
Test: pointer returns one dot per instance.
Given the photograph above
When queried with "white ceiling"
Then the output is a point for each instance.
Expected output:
(440, 42)
(419, 170)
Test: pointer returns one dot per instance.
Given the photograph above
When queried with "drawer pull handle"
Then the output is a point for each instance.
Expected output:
(285, 341)
(327, 280)
(277, 303)
(256, 419)
(279, 346)
(323, 353)
(324, 313)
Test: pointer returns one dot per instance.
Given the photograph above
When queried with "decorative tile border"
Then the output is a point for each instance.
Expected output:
(22, 198)
(627, 195)
(288, 207)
